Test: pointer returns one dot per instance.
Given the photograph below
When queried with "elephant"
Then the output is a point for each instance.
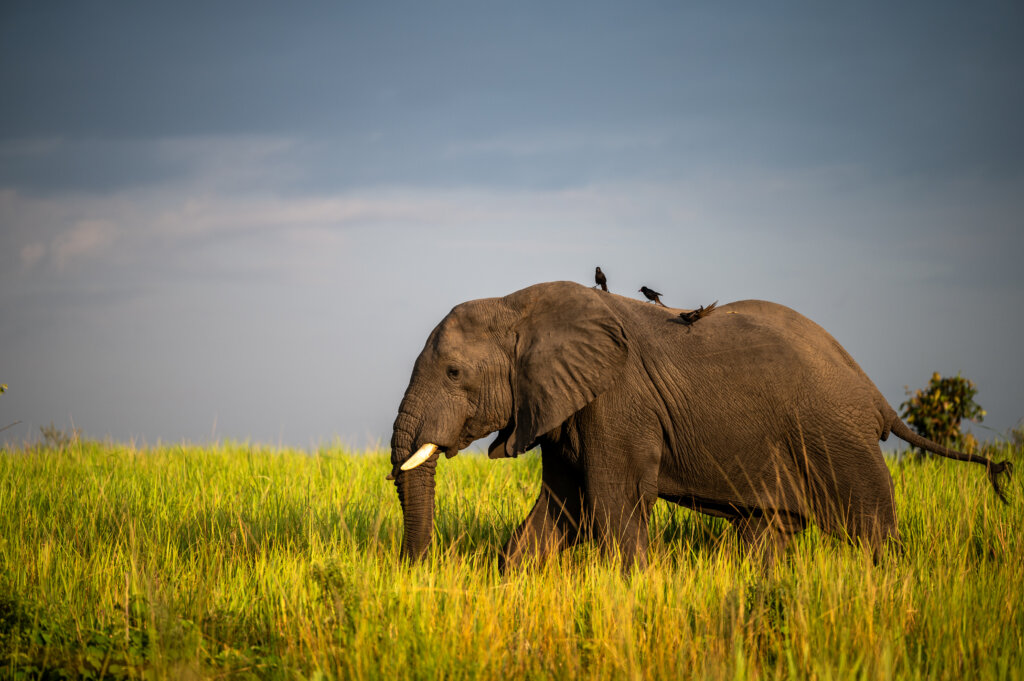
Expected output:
(754, 413)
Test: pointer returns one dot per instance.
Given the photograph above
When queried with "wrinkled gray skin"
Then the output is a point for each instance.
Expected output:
(754, 413)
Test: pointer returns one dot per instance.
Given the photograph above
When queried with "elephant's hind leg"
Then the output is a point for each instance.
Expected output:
(554, 523)
(855, 497)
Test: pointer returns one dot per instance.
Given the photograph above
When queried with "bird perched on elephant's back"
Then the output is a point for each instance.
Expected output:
(600, 279)
(689, 317)
(651, 295)
(754, 414)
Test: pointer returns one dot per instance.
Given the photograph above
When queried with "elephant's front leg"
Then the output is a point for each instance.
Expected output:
(619, 499)
(555, 521)
(619, 513)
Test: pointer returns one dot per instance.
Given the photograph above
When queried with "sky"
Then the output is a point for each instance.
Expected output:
(241, 220)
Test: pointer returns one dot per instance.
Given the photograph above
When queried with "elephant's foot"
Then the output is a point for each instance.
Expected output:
(634, 557)
(622, 534)
(552, 526)
(528, 546)
(765, 538)
(876, 533)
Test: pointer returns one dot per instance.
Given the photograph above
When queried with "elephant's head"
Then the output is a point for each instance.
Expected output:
(519, 365)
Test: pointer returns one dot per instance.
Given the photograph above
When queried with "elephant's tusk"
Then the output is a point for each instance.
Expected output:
(421, 455)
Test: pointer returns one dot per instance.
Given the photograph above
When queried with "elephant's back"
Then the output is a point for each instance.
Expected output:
(770, 347)
(752, 344)
(745, 323)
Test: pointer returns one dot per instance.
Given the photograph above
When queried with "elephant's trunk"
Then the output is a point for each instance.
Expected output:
(415, 490)
(416, 493)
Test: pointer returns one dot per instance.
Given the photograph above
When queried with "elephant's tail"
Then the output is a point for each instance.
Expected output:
(995, 470)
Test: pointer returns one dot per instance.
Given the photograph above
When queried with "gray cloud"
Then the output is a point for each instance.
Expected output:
(916, 89)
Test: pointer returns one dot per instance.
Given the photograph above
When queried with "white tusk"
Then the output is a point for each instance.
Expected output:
(421, 455)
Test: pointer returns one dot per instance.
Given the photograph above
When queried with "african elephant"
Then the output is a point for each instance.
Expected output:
(753, 413)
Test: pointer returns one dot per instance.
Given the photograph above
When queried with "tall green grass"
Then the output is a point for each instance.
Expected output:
(239, 561)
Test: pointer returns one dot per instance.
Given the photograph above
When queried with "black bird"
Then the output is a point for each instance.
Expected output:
(693, 315)
(601, 280)
(652, 295)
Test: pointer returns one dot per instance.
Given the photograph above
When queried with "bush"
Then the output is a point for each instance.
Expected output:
(1017, 434)
(937, 411)
(55, 438)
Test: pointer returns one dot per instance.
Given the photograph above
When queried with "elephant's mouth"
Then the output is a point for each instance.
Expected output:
(429, 449)
(498, 449)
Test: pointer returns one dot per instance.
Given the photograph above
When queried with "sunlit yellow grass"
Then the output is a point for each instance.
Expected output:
(245, 561)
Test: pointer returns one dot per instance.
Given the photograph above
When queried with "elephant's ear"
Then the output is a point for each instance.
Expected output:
(570, 347)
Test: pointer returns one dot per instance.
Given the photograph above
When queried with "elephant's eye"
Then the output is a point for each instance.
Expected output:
(453, 373)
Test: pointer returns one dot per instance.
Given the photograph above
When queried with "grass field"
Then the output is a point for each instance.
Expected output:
(239, 561)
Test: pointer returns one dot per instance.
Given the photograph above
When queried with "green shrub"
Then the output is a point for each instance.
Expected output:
(56, 438)
(937, 411)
